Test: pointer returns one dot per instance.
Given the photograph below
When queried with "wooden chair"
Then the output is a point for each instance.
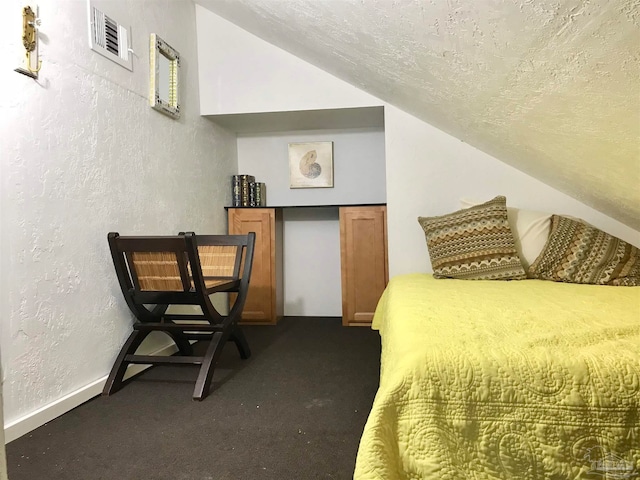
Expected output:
(155, 272)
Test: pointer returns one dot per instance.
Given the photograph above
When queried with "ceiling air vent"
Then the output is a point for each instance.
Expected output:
(109, 38)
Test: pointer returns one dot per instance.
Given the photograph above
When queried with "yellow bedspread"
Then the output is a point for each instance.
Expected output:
(504, 380)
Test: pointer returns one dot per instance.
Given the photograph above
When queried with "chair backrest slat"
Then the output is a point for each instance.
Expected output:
(157, 271)
(218, 260)
(234, 263)
(151, 264)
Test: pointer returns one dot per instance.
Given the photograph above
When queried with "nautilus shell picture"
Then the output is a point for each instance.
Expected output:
(311, 165)
(308, 165)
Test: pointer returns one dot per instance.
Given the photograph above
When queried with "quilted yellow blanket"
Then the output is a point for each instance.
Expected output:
(525, 379)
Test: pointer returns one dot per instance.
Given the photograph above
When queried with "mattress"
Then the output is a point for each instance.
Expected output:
(523, 379)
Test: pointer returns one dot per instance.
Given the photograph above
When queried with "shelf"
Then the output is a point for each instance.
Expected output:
(265, 122)
(315, 206)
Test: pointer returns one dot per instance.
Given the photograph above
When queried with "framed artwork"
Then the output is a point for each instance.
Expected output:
(311, 165)
(164, 66)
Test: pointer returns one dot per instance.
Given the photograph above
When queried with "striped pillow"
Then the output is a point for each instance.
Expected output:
(475, 243)
(579, 253)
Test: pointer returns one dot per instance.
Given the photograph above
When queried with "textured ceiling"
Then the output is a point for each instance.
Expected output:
(551, 87)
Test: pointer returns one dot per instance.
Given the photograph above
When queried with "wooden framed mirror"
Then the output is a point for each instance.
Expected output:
(164, 77)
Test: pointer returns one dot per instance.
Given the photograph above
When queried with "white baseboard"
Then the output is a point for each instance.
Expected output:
(45, 414)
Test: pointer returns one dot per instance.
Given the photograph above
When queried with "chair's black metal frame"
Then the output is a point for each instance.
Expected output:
(150, 307)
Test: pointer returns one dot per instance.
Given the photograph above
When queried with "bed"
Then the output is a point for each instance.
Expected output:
(485, 379)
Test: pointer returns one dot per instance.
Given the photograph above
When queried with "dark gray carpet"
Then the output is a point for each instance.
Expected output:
(295, 410)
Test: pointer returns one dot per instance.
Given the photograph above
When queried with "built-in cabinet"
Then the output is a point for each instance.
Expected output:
(363, 258)
(264, 303)
(363, 255)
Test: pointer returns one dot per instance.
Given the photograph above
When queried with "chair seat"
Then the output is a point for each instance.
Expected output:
(220, 284)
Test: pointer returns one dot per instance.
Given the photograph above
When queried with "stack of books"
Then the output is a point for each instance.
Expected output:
(246, 192)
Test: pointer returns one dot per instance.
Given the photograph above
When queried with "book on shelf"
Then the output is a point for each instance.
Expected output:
(240, 190)
(257, 194)
(236, 197)
(246, 192)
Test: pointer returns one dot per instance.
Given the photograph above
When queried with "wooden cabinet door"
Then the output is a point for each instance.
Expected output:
(365, 273)
(261, 305)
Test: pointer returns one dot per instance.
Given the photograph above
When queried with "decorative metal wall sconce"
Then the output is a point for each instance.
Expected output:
(30, 42)
(164, 69)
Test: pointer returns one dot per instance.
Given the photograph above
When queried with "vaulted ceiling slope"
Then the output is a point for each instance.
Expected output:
(551, 88)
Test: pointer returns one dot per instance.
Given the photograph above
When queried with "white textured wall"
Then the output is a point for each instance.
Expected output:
(429, 171)
(84, 154)
(3, 457)
(239, 71)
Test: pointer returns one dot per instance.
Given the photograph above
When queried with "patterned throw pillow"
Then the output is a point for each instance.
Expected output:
(580, 253)
(475, 243)
(530, 230)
